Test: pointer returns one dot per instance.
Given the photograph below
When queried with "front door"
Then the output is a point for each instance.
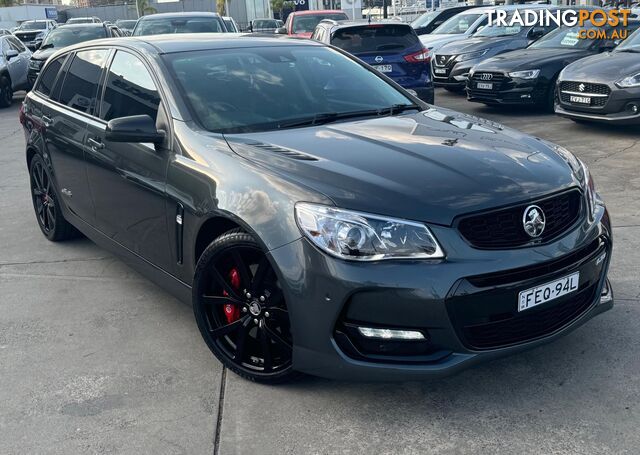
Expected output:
(128, 179)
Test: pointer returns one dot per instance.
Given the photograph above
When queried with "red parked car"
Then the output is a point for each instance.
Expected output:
(303, 23)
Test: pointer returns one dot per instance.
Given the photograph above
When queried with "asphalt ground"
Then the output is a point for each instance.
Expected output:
(96, 359)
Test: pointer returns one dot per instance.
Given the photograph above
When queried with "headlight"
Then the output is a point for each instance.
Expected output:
(581, 171)
(471, 55)
(364, 237)
(528, 74)
(629, 81)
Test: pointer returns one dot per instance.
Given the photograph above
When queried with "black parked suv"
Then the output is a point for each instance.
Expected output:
(528, 76)
(340, 230)
(603, 88)
(453, 61)
(65, 35)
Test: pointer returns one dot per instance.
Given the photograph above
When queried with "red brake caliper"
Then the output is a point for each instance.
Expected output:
(231, 311)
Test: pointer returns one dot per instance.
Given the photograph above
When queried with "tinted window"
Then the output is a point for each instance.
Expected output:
(130, 90)
(178, 25)
(48, 78)
(33, 26)
(375, 38)
(66, 36)
(306, 23)
(260, 24)
(81, 83)
(257, 89)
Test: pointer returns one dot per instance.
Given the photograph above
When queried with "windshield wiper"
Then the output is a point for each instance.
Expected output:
(328, 117)
(634, 51)
(45, 46)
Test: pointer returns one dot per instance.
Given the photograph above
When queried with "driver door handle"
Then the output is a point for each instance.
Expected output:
(95, 145)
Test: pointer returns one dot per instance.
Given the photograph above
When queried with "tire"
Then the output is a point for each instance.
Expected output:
(550, 100)
(46, 204)
(6, 92)
(235, 286)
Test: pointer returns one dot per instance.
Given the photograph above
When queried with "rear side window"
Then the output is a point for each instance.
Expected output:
(375, 38)
(48, 78)
(179, 25)
(81, 83)
(129, 89)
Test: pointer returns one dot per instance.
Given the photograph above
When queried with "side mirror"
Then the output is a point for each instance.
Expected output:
(137, 128)
(11, 53)
(536, 33)
(281, 30)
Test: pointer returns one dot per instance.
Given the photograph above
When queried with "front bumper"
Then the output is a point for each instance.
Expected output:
(443, 299)
(454, 75)
(508, 91)
(614, 109)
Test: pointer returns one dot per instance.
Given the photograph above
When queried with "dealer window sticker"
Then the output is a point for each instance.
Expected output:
(570, 39)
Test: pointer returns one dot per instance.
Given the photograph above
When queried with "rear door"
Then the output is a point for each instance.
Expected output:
(128, 179)
(386, 47)
(66, 127)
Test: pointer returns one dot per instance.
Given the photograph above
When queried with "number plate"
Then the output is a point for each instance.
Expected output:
(485, 86)
(580, 99)
(384, 68)
(547, 292)
(440, 70)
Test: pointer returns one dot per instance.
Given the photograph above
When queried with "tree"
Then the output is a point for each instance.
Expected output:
(143, 7)
(4, 3)
(280, 5)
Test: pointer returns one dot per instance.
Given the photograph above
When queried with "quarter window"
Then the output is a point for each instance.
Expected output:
(48, 78)
(81, 83)
(129, 90)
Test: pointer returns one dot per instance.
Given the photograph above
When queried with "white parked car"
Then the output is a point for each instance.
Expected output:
(14, 64)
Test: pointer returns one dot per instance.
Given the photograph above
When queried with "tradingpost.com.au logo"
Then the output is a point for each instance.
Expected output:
(593, 21)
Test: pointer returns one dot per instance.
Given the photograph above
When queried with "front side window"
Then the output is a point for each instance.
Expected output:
(129, 90)
(48, 78)
(16, 44)
(81, 83)
(262, 89)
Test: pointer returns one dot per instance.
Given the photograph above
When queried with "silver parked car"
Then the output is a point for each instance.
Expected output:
(14, 63)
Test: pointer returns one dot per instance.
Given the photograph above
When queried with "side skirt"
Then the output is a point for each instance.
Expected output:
(163, 279)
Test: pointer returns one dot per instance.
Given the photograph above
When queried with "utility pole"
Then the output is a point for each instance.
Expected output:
(385, 12)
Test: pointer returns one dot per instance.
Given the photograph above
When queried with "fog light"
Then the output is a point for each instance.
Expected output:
(633, 107)
(462, 77)
(391, 334)
(606, 296)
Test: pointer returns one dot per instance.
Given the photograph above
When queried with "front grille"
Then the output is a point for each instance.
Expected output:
(27, 36)
(530, 324)
(586, 88)
(443, 60)
(504, 228)
(496, 79)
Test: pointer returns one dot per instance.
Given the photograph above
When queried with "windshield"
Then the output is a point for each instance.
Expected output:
(66, 36)
(307, 23)
(33, 26)
(569, 38)
(496, 30)
(262, 89)
(631, 44)
(126, 24)
(375, 38)
(425, 19)
(457, 24)
(178, 25)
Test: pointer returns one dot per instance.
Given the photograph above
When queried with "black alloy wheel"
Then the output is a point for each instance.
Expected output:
(240, 309)
(6, 92)
(46, 205)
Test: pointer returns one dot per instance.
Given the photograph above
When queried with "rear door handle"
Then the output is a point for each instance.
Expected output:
(46, 120)
(95, 145)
